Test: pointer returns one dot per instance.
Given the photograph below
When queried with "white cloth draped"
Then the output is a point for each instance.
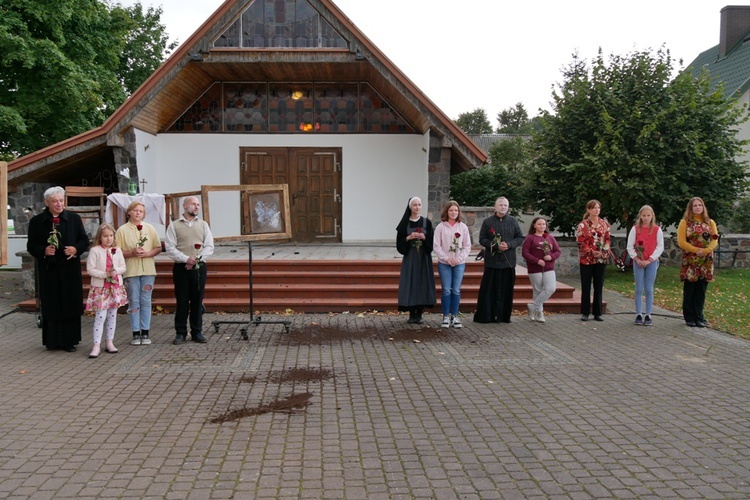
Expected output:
(154, 203)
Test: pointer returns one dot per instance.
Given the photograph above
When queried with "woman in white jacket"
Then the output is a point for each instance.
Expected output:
(452, 244)
(106, 265)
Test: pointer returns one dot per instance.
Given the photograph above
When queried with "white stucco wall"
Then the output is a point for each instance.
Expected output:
(379, 174)
(744, 130)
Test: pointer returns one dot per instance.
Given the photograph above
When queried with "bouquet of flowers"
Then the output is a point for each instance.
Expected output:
(454, 246)
(417, 243)
(54, 236)
(496, 240)
(198, 257)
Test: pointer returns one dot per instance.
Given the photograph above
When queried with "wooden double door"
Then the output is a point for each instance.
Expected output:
(314, 179)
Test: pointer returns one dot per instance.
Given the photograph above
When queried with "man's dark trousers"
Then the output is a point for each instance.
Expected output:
(188, 290)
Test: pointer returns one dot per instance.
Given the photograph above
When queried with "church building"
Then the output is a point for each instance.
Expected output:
(272, 92)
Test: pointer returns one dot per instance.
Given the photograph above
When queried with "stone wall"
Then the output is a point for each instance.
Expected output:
(25, 203)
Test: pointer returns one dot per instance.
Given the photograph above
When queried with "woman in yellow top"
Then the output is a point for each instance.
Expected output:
(140, 244)
(697, 237)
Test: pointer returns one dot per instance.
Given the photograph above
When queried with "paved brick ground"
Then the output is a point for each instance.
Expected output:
(561, 410)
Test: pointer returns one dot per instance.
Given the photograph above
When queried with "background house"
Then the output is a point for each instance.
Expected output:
(728, 62)
(269, 92)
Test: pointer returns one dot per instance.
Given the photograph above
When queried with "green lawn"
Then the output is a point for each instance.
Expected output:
(726, 300)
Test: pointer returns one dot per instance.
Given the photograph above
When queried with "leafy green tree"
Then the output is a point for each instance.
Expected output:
(474, 122)
(146, 45)
(65, 66)
(628, 134)
(514, 120)
(507, 174)
(740, 219)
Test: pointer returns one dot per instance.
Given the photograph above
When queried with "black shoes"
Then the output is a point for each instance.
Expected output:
(701, 324)
(691, 324)
(585, 317)
(197, 337)
(179, 339)
(70, 348)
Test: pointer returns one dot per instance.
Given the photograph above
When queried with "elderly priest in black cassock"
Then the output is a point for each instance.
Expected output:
(57, 239)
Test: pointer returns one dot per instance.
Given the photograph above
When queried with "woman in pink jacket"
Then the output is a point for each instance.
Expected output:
(106, 265)
(452, 244)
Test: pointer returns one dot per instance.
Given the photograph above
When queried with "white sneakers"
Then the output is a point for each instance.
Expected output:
(535, 315)
(451, 321)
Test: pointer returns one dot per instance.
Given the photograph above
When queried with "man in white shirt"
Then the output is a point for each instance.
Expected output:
(189, 242)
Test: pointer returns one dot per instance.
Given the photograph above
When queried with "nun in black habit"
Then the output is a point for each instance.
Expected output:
(416, 286)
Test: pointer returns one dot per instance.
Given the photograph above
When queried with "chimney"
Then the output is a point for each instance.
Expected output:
(735, 23)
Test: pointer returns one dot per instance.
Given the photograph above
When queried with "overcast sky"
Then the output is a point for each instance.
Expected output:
(492, 54)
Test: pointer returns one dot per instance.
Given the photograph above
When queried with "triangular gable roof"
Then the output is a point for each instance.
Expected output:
(195, 65)
(733, 71)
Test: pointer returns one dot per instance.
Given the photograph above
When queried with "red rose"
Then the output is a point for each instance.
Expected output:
(715, 236)
(457, 235)
(139, 227)
(492, 231)
(640, 242)
(55, 220)
(113, 251)
(418, 230)
(197, 246)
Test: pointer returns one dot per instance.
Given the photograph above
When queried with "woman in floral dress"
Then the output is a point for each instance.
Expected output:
(593, 237)
(697, 237)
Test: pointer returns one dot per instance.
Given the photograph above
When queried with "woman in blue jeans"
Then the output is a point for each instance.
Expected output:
(140, 244)
(645, 246)
(452, 244)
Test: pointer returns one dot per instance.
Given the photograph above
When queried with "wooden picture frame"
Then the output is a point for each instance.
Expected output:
(266, 212)
(173, 207)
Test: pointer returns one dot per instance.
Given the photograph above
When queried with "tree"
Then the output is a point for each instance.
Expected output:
(513, 120)
(474, 122)
(507, 174)
(146, 45)
(61, 71)
(627, 134)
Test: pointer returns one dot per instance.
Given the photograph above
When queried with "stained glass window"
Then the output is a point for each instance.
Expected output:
(261, 107)
(290, 107)
(204, 115)
(281, 24)
(246, 109)
(377, 116)
(336, 107)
